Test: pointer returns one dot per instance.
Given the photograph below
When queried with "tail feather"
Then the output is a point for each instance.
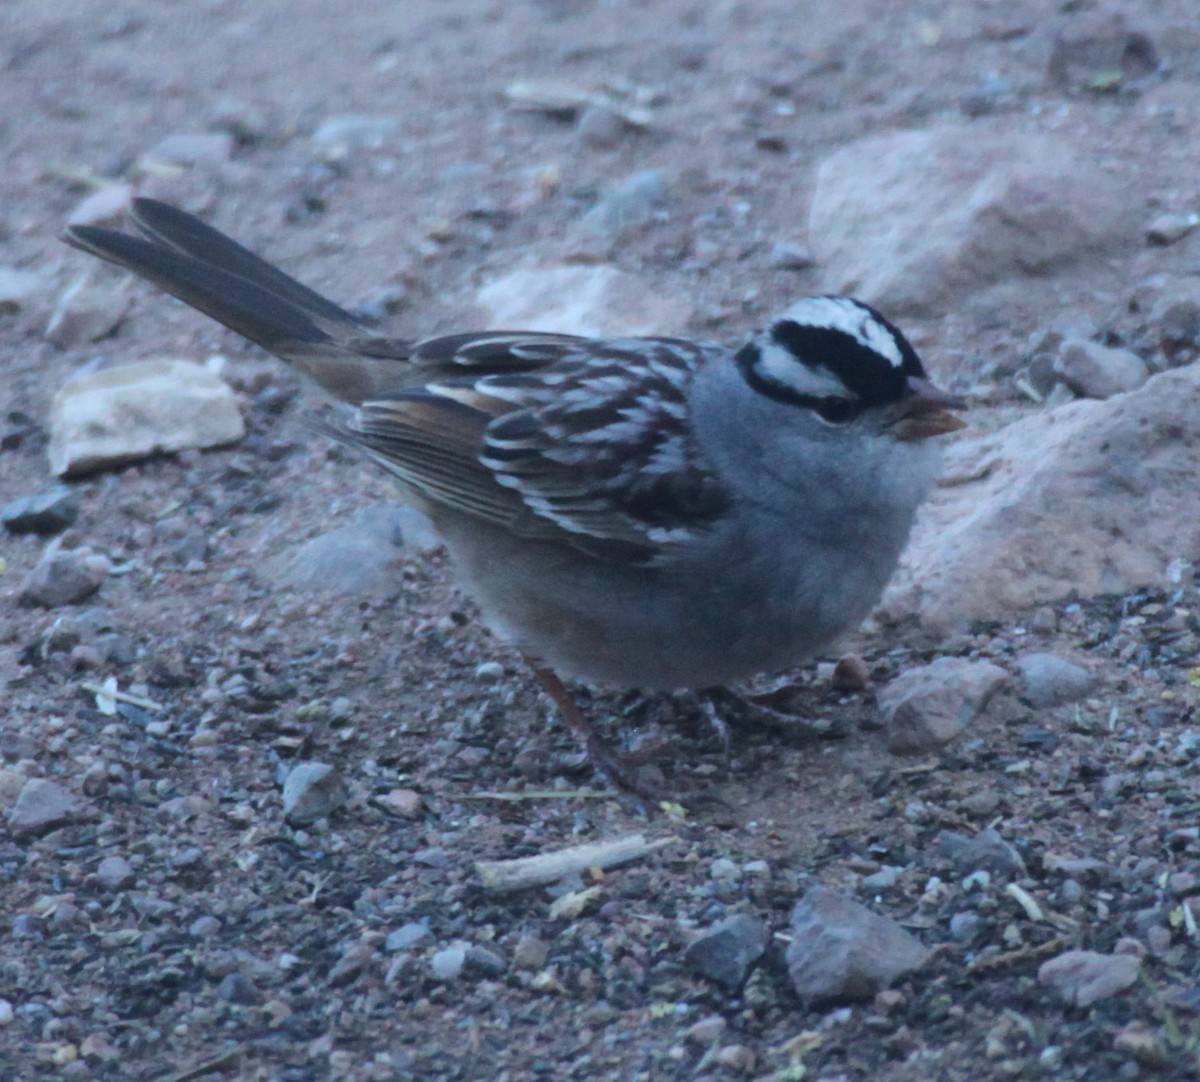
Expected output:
(260, 315)
(188, 235)
(217, 276)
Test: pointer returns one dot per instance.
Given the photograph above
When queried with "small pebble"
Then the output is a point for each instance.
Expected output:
(1048, 680)
(705, 1032)
(1083, 977)
(448, 963)
(114, 873)
(49, 511)
(406, 937)
(851, 673)
(725, 952)
(1168, 228)
(530, 953)
(724, 870)
(787, 255)
(312, 791)
(489, 672)
(405, 802)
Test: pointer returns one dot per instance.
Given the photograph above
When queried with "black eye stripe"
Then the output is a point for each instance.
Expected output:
(837, 411)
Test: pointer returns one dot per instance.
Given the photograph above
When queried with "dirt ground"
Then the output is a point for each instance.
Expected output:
(240, 947)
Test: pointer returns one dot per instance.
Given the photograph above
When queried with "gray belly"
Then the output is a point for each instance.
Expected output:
(658, 628)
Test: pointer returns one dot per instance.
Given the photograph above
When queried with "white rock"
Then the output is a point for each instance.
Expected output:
(18, 287)
(136, 410)
(86, 313)
(592, 300)
(1091, 497)
(1095, 371)
(102, 205)
(914, 220)
(189, 148)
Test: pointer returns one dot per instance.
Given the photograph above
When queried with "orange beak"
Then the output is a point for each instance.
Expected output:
(926, 412)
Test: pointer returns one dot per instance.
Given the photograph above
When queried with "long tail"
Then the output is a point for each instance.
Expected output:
(216, 275)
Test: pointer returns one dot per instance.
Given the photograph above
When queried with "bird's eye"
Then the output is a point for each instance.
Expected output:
(837, 411)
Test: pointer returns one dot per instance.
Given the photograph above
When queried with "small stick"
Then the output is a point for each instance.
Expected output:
(501, 876)
(122, 697)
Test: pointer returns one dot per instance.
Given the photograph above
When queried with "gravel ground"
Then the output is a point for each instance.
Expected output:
(160, 917)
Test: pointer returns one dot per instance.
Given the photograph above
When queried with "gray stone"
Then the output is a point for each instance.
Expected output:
(64, 577)
(842, 951)
(1049, 680)
(406, 937)
(931, 705)
(240, 990)
(351, 964)
(629, 205)
(530, 953)
(986, 851)
(1082, 977)
(189, 148)
(1092, 497)
(86, 313)
(44, 805)
(484, 963)
(359, 559)
(1168, 228)
(18, 288)
(312, 791)
(884, 879)
(726, 952)
(788, 255)
(1095, 371)
(114, 873)
(706, 1032)
(341, 135)
(602, 126)
(121, 414)
(1100, 53)
(49, 511)
(1174, 318)
(966, 926)
(448, 964)
(594, 301)
(964, 210)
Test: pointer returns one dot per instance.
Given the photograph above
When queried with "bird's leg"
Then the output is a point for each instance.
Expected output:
(622, 775)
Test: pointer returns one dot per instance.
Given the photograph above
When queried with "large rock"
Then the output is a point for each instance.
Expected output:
(597, 301)
(914, 220)
(1092, 498)
(133, 411)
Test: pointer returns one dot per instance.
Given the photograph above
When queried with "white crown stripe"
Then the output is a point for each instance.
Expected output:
(849, 317)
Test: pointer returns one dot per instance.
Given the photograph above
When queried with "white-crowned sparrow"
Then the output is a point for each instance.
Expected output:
(649, 513)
